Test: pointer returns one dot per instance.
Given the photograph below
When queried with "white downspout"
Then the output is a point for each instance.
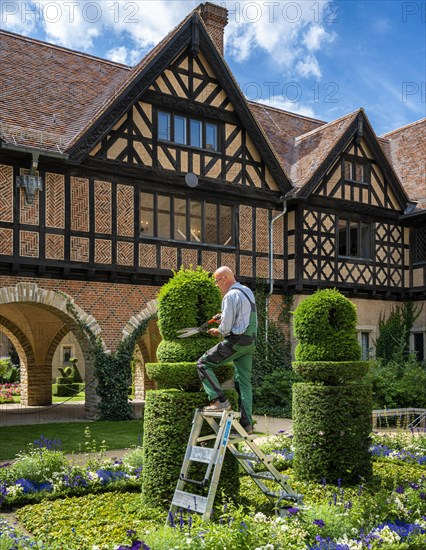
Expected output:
(271, 269)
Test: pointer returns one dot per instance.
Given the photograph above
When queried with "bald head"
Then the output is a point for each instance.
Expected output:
(224, 278)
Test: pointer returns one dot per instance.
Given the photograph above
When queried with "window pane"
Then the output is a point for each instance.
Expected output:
(353, 239)
(225, 225)
(164, 126)
(147, 214)
(163, 217)
(359, 171)
(211, 223)
(196, 221)
(180, 220)
(180, 129)
(419, 346)
(365, 345)
(348, 170)
(196, 133)
(365, 240)
(211, 136)
(342, 238)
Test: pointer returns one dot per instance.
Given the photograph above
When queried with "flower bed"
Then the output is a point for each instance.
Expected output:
(389, 513)
(8, 392)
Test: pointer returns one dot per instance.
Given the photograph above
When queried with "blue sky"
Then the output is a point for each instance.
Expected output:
(318, 58)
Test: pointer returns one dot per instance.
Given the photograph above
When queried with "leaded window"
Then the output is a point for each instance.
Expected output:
(187, 131)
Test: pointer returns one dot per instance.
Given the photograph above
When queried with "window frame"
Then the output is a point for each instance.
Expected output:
(354, 162)
(350, 224)
(189, 120)
(194, 233)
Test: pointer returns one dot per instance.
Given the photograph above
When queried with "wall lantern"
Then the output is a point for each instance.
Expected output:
(30, 182)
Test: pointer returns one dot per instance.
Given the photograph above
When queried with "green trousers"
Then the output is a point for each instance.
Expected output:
(242, 356)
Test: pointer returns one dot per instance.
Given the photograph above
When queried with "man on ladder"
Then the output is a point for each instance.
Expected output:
(239, 327)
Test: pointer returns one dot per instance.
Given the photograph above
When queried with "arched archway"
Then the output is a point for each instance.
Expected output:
(35, 320)
(145, 348)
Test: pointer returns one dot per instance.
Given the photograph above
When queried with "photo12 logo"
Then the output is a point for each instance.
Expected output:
(291, 92)
(69, 11)
(291, 12)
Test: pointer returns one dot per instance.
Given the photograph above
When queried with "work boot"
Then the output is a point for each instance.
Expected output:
(217, 406)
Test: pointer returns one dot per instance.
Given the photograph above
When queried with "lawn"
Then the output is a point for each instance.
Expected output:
(117, 435)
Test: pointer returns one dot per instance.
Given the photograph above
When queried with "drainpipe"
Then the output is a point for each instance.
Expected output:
(271, 268)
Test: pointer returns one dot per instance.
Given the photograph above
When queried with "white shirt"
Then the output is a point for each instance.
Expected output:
(236, 310)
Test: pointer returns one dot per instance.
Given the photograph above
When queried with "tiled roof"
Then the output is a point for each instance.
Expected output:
(282, 128)
(312, 148)
(49, 93)
(406, 151)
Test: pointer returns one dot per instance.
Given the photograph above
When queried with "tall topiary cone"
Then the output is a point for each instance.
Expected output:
(332, 408)
(189, 299)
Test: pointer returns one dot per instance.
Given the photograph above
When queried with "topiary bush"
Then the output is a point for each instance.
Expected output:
(332, 408)
(185, 349)
(325, 326)
(167, 425)
(182, 375)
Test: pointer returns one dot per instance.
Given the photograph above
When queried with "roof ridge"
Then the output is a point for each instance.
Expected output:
(326, 126)
(384, 136)
(298, 115)
(64, 49)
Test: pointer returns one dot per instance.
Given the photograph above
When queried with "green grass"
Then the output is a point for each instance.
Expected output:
(117, 435)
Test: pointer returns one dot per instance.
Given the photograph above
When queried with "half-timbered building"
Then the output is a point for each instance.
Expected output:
(111, 177)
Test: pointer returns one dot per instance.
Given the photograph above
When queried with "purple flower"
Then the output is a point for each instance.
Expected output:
(319, 522)
(400, 489)
(292, 511)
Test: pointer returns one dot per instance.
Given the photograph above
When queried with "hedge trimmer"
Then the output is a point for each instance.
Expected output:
(190, 331)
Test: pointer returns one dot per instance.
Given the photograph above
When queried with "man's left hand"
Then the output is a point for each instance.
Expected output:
(214, 332)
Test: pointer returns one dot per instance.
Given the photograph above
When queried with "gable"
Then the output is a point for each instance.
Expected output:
(188, 89)
(356, 170)
(357, 177)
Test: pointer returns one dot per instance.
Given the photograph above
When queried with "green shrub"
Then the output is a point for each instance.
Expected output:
(331, 372)
(67, 389)
(332, 411)
(8, 372)
(38, 464)
(183, 375)
(272, 359)
(188, 300)
(325, 326)
(332, 426)
(185, 349)
(394, 333)
(398, 384)
(273, 396)
(167, 424)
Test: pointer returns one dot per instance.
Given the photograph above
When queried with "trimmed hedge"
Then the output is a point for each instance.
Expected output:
(185, 349)
(168, 416)
(325, 327)
(332, 427)
(331, 372)
(67, 389)
(183, 375)
(188, 300)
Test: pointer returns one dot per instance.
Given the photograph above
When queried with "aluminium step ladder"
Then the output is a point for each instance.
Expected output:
(222, 423)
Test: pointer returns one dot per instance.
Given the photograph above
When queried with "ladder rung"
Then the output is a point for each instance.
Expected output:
(251, 457)
(195, 503)
(267, 475)
(206, 438)
(219, 414)
(202, 454)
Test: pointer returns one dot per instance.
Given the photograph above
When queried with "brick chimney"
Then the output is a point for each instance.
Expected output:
(215, 18)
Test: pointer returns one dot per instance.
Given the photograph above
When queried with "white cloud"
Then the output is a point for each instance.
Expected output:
(308, 66)
(280, 102)
(316, 36)
(118, 55)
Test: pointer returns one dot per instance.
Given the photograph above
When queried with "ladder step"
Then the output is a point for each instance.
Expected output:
(195, 503)
(268, 475)
(202, 454)
(249, 456)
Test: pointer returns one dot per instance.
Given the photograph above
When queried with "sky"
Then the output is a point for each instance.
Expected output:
(318, 58)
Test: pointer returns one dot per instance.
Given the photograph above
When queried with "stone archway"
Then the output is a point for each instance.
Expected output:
(34, 320)
(145, 349)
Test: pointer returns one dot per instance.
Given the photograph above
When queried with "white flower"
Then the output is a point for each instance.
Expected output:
(15, 490)
(259, 517)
